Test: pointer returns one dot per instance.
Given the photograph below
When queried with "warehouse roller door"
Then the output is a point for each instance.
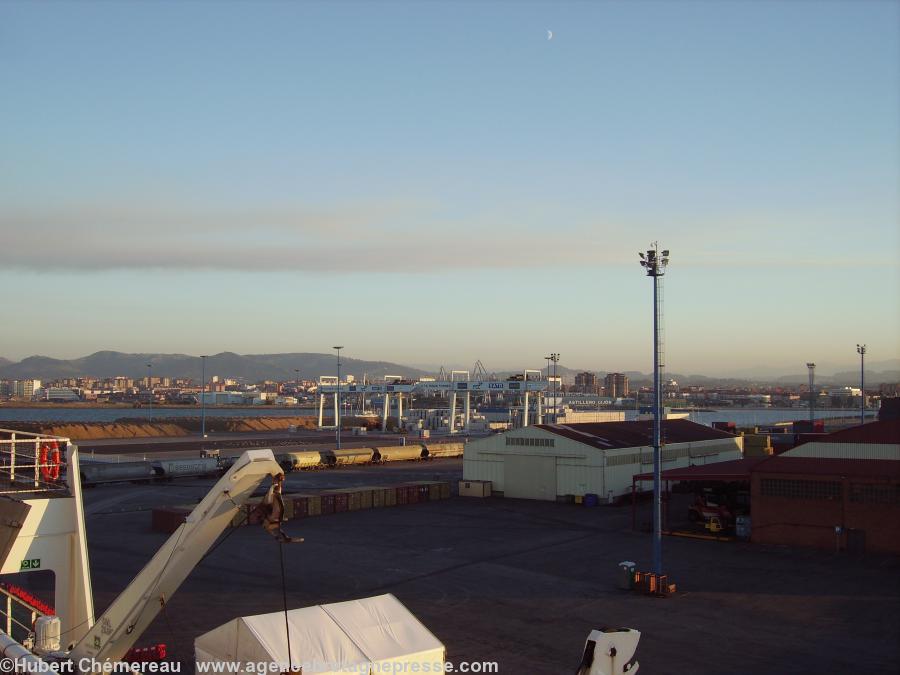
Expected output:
(529, 477)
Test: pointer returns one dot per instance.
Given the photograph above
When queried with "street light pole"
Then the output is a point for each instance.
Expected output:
(150, 388)
(655, 263)
(555, 358)
(861, 350)
(338, 394)
(203, 398)
(812, 395)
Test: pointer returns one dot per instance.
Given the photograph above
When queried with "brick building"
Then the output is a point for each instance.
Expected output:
(829, 503)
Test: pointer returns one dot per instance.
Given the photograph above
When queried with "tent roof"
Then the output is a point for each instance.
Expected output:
(349, 633)
(382, 627)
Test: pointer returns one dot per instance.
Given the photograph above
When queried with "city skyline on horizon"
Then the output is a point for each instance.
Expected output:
(823, 369)
(281, 172)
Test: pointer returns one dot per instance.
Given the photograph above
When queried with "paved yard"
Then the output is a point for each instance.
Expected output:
(520, 582)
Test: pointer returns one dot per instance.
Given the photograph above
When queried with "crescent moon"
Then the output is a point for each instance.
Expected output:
(549, 34)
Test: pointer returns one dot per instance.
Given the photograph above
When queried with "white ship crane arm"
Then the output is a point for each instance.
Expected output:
(134, 609)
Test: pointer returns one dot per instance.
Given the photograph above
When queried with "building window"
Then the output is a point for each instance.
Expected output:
(619, 460)
(801, 489)
(532, 442)
(875, 494)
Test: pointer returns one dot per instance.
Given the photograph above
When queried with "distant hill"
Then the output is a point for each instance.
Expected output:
(251, 367)
(256, 367)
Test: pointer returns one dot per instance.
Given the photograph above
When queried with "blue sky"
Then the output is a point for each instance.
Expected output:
(438, 182)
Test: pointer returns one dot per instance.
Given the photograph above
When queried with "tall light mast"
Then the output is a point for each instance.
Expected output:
(655, 263)
(337, 415)
(203, 396)
(812, 394)
(150, 388)
(861, 350)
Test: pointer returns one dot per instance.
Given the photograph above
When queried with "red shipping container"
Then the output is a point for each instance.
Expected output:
(327, 503)
(341, 502)
(402, 495)
(301, 507)
(412, 494)
(168, 519)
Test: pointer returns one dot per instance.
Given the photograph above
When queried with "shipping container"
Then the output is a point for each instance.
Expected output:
(474, 488)
(377, 497)
(390, 496)
(365, 498)
(327, 503)
(401, 495)
(353, 501)
(338, 499)
(169, 518)
(301, 505)
(313, 505)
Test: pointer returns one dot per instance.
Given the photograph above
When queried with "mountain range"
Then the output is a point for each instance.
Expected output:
(282, 367)
(251, 367)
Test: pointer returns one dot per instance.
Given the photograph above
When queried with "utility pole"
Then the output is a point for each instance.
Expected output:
(655, 263)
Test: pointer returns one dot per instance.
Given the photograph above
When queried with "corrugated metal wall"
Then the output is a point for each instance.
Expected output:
(479, 469)
(846, 450)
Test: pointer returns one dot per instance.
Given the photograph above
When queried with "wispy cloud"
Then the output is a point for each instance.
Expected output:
(385, 237)
(388, 237)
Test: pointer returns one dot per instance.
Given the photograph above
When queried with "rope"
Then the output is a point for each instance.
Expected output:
(287, 628)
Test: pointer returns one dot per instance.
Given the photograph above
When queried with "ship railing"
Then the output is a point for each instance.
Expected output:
(28, 462)
(11, 606)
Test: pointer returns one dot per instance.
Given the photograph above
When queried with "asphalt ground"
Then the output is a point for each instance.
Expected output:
(517, 582)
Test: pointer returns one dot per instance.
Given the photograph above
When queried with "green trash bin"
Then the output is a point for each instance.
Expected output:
(626, 575)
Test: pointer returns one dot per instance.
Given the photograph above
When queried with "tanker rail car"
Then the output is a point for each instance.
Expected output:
(305, 460)
(97, 473)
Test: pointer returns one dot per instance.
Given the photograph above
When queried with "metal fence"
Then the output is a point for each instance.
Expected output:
(32, 462)
(18, 614)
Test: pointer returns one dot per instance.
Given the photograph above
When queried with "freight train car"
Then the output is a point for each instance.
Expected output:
(353, 456)
(183, 468)
(444, 449)
(399, 453)
(301, 459)
(95, 473)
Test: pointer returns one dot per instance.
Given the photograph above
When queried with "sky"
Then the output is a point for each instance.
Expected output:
(435, 183)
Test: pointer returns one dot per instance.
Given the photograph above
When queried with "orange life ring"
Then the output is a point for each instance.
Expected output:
(50, 460)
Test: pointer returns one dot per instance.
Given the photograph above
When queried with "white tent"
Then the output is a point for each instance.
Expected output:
(359, 636)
